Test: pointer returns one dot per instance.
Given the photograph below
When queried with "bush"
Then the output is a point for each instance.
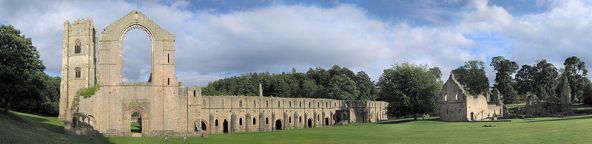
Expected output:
(87, 92)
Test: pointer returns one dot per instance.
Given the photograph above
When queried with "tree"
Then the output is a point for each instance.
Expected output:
(343, 88)
(21, 70)
(472, 77)
(525, 80)
(503, 77)
(575, 72)
(545, 80)
(410, 89)
(587, 95)
(366, 87)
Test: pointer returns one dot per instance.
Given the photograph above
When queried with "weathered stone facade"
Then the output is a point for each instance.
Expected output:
(458, 105)
(551, 105)
(164, 105)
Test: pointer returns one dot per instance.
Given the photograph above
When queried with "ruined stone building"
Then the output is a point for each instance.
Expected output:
(162, 105)
(455, 104)
(551, 104)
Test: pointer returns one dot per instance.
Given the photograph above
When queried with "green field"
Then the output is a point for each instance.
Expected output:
(576, 129)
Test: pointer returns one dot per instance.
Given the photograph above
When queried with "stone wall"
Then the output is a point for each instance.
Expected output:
(254, 113)
(455, 104)
(167, 108)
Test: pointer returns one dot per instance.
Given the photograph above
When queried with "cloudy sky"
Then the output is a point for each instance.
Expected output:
(217, 39)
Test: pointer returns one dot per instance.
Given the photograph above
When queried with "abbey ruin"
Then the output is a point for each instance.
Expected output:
(162, 105)
(458, 105)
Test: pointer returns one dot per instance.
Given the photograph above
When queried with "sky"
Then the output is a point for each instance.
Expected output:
(219, 38)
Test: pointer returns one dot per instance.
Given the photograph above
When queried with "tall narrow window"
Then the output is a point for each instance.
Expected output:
(168, 81)
(77, 47)
(77, 72)
(168, 58)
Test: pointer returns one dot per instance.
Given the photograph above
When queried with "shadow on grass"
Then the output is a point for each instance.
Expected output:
(43, 123)
(46, 124)
(563, 119)
(406, 120)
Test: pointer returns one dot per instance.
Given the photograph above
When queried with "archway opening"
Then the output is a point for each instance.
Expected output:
(136, 123)
(204, 127)
(225, 126)
(309, 124)
(326, 121)
(278, 125)
(136, 56)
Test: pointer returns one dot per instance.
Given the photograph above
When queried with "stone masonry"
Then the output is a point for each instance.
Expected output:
(455, 104)
(164, 105)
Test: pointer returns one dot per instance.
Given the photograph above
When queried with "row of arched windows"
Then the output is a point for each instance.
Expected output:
(240, 104)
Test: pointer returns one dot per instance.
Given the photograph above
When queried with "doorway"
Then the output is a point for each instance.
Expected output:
(225, 126)
(278, 125)
(136, 123)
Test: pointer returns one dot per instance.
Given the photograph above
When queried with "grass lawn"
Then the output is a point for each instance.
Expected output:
(576, 129)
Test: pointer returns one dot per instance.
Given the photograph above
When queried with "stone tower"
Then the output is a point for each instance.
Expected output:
(79, 53)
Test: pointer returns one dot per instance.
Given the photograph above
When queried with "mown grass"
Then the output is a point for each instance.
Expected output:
(575, 129)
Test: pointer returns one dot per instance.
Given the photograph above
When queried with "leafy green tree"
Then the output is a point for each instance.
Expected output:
(503, 77)
(410, 89)
(525, 80)
(472, 77)
(343, 88)
(545, 80)
(21, 70)
(587, 95)
(366, 86)
(575, 71)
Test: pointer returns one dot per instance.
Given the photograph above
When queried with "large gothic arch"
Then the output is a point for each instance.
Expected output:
(163, 51)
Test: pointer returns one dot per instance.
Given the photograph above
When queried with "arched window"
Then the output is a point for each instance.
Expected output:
(254, 120)
(278, 104)
(300, 119)
(446, 97)
(267, 103)
(266, 120)
(240, 104)
(216, 122)
(77, 47)
(254, 104)
(290, 119)
(77, 72)
(240, 121)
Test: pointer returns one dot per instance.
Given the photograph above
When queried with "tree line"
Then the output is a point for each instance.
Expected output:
(335, 83)
(23, 84)
(540, 81)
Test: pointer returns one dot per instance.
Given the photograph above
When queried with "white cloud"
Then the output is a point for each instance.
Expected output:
(276, 38)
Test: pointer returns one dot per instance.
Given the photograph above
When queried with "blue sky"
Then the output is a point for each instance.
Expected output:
(220, 38)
